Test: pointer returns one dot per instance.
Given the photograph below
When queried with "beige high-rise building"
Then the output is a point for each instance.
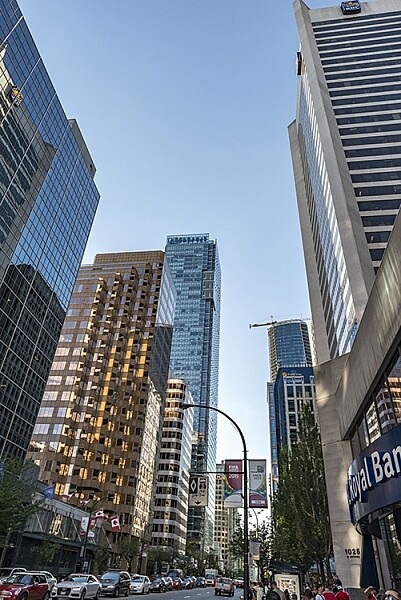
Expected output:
(97, 434)
(170, 517)
(224, 525)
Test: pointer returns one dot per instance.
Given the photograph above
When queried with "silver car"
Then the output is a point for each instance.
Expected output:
(77, 585)
(139, 584)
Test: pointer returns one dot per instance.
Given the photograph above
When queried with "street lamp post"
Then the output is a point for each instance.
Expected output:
(184, 406)
(257, 538)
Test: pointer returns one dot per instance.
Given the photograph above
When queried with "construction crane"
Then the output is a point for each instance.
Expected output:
(262, 324)
(273, 322)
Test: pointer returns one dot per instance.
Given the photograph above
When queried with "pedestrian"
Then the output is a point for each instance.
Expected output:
(319, 592)
(287, 594)
(337, 581)
(294, 596)
(392, 594)
(276, 589)
(369, 593)
(328, 594)
(272, 595)
(341, 594)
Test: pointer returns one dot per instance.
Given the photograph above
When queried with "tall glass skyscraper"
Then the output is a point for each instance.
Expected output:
(291, 386)
(195, 267)
(345, 145)
(48, 202)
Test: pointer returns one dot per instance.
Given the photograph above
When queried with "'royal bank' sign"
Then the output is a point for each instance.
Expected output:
(373, 476)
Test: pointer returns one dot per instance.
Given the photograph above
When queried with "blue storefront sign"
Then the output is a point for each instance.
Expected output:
(374, 476)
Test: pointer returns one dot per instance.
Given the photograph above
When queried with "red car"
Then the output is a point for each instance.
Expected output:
(25, 586)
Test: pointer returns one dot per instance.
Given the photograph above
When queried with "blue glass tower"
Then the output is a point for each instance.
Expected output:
(292, 384)
(47, 205)
(195, 267)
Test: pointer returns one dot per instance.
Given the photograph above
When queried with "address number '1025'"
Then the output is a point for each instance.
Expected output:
(352, 552)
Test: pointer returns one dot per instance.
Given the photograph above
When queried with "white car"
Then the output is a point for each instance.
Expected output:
(139, 584)
(77, 585)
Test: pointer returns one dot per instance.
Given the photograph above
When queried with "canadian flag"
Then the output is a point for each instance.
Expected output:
(99, 514)
(115, 523)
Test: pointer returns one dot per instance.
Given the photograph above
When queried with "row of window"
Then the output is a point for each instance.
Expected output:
(383, 411)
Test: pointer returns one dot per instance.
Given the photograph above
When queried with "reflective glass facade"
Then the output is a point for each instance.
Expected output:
(195, 267)
(100, 421)
(345, 151)
(289, 346)
(292, 385)
(47, 204)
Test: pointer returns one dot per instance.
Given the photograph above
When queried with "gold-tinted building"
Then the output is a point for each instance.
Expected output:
(97, 433)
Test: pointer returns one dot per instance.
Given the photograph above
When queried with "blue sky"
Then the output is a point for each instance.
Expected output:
(184, 105)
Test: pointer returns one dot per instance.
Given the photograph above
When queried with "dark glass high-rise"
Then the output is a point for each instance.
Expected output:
(48, 201)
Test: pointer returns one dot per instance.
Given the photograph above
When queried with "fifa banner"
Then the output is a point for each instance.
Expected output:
(233, 484)
(257, 484)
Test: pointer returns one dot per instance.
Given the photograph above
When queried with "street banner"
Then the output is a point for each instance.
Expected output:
(115, 523)
(233, 497)
(198, 490)
(257, 484)
(99, 514)
(254, 550)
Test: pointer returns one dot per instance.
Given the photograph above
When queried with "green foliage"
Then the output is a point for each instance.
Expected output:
(47, 552)
(156, 556)
(300, 518)
(16, 495)
(102, 558)
(128, 548)
(236, 547)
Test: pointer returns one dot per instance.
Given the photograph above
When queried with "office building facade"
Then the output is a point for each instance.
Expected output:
(170, 517)
(195, 267)
(345, 151)
(98, 429)
(224, 525)
(292, 385)
(48, 201)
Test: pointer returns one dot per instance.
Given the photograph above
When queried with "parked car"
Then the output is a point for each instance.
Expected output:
(187, 583)
(158, 585)
(5, 572)
(169, 583)
(139, 584)
(201, 582)
(50, 578)
(115, 582)
(77, 585)
(224, 587)
(210, 580)
(25, 586)
(177, 583)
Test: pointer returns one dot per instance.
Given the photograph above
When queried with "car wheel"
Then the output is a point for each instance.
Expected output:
(127, 592)
(83, 594)
(97, 595)
(117, 592)
(46, 596)
(24, 597)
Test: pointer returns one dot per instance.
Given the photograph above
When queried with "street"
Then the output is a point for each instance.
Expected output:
(195, 594)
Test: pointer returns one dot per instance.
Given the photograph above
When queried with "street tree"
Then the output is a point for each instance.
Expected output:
(16, 499)
(128, 547)
(301, 526)
(47, 552)
(236, 545)
(157, 555)
(102, 558)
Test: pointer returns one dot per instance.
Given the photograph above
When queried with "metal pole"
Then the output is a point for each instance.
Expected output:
(183, 406)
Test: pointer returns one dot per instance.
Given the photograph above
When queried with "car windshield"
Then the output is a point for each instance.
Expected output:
(138, 579)
(76, 578)
(108, 576)
(21, 578)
